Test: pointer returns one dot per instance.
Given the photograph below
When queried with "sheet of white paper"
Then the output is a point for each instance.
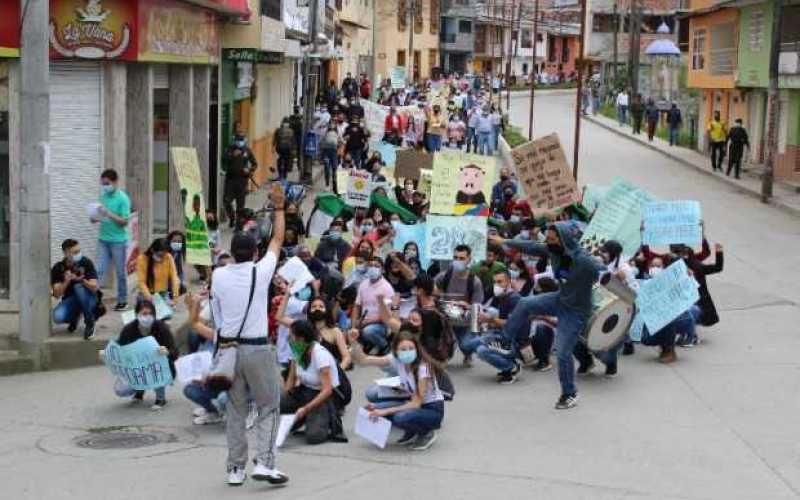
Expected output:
(296, 271)
(193, 367)
(93, 210)
(128, 316)
(287, 421)
(163, 310)
(374, 430)
(389, 382)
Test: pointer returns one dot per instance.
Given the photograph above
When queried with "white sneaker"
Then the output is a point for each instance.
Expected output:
(236, 476)
(199, 412)
(272, 476)
(208, 419)
(251, 418)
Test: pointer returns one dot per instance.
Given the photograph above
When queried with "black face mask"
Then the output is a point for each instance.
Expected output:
(503, 178)
(212, 224)
(556, 249)
(316, 315)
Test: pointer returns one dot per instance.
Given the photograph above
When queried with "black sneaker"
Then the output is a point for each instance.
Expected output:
(408, 438)
(585, 368)
(567, 401)
(628, 349)
(611, 370)
(507, 378)
(88, 331)
(543, 365)
(516, 368)
(424, 441)
(73, 325)
(121, 306)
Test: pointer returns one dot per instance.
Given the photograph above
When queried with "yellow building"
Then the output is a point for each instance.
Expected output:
(392, 40)
(355, 29)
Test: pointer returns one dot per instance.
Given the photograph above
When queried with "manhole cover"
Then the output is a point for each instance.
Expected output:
(123, 438)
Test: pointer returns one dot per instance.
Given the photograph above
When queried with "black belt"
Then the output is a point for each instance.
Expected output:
(243, 341)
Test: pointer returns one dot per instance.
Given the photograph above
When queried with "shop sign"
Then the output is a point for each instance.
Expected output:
(173, 32)
(92, 29)
(9, 29)
(252, 56)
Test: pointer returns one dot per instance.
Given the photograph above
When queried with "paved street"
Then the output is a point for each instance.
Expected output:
(720, 423)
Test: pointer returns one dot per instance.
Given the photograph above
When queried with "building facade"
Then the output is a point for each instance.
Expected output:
(457, 35)
(354, 38)
(392, 38)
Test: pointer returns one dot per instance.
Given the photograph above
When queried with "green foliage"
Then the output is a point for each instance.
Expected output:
(514, 137)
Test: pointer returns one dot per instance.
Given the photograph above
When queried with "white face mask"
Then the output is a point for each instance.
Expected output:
(654, 271)
(498, 290)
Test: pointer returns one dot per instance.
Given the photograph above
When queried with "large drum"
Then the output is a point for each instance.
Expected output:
(457, 314)
(611, 319)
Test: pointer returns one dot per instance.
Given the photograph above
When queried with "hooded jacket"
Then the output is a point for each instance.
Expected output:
(576, 270)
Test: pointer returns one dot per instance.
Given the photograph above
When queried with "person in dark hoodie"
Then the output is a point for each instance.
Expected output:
(577, 272)
(705, 312)
(146, 325)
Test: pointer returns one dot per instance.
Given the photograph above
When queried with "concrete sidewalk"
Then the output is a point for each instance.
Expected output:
(784, 197)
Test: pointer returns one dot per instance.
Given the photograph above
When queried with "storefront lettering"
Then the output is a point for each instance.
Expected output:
(85, 35)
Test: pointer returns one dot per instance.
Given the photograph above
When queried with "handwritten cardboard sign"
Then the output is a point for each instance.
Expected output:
(665, 297)
(187, 168)
(544, 173)
(668, 222)
(462, 182)
(619, 218)
(138, 364)
(443, 233)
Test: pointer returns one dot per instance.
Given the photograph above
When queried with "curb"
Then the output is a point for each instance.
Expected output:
(527, 93)
(794, 211)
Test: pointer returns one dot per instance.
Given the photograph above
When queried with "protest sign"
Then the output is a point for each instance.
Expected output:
(187, 169)
(415, 233)
(193, 367)
(388, 152)
(397, 75)
(544, 173)
(425, 180)
(359, 187)
(374, 118)
(669, 222)
(284, 427)
(138, 364)
(374, 429)
(593, 195)
(618, 218)
(294, 271)
(462, 183)
(663, 298)
(410, 162)
(443, 233)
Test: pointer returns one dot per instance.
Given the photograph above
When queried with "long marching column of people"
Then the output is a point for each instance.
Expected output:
(296, 302)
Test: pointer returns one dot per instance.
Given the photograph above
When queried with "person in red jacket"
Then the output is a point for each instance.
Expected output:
(366, 87)
(394, 127)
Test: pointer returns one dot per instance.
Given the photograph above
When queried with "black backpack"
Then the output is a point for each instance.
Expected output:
(470, 283)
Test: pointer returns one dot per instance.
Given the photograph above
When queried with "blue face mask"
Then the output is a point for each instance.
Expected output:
(525, 235)
(145, 320)
(407, 357)
(513, 273)
(176, 246)
(77, 257)
(459, 266)
(374, 273)
(334, 235)
(366, 228)
(304, 294)
(106, 188)
(514, 218)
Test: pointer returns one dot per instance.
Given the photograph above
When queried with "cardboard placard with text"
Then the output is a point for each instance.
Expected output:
(545, 175)
(409, 162)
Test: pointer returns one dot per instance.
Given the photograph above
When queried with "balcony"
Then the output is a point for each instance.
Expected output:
(723, 61)
(457, 42)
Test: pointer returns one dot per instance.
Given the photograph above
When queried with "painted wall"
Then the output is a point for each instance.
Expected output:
(754, 53)
(390, 39)
(787, 165)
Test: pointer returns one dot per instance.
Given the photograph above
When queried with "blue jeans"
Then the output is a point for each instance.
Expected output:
(496, 137)
(472, 140)
(485, 144)
(466, 340)
(434, 142)
(484, 352)
(197, 393)
(686, 323)
(673, 136)
(571, 324)
(420, 421)
(80, 301)
(109, 252)
(542, 342)
(375, 334)
(161, 393)
(622, 115)
(331, 160)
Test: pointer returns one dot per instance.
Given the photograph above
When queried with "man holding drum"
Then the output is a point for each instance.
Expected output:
(577, 271)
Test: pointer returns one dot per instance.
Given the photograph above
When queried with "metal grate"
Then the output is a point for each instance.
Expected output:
(123, 438)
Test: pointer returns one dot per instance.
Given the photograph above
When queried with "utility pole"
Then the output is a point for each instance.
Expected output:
(616, 44)
(410, 56)
(34, 199)
(772, 103)
(635, 38)
(311, 66)
(375, 82)
(581, 64)
(534, 75)
(518, 4)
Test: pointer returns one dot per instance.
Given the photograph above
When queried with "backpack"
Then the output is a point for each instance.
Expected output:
(330, 140)
(447, 340)
(470, 283)
(285, 139)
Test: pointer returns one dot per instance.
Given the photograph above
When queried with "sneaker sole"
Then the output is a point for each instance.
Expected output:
(235, 484)
(508, 382)
(270, 479)
(426, 446)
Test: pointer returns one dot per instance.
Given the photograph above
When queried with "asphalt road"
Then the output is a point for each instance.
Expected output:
(720, 423)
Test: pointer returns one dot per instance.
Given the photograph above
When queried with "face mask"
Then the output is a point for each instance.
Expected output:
(299, 348)
(77, 257)
(107, 188)
(146, 320)
(410, 253)
(654, 271)
(366, 228)
(513, 273)
(304, 294)
(396, 224)
(361, 267)
(176, 247)
(503, 178)
(374, 273)
(316, 315)
(407, 357)
(556, 249)
(525, 234)
(240, 144)
(459, 266)
(514, 218)
(498, 290)
(334, 235)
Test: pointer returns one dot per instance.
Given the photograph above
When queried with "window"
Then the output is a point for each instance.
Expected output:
(724, 48)
(551, 49)
(564, 50)
(433, 59)
(524, 68)
(755, 34)
(464, 26)
(401, 57)
(435, 17)
(699, 49)
(527, 39)
(790, 27)
(271, 8)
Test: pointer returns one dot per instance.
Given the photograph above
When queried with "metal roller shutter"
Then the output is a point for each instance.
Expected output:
(160, 76)
(76, 152)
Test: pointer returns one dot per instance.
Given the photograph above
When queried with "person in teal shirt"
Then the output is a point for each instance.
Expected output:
(113, 236)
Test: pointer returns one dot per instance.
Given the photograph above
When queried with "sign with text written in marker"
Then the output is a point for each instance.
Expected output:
(139, 364)
(443, 233)
(666, 296)
(670, 222)
(544, 173)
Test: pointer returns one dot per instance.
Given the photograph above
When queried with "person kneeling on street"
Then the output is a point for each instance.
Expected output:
(74, 280)
(146, 325)
(310, 388)
(421, 413)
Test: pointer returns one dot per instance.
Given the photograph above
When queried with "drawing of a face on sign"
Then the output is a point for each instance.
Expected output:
(470, 186)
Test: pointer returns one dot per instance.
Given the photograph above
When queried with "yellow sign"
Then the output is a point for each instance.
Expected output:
(187, 169)
(462, 183)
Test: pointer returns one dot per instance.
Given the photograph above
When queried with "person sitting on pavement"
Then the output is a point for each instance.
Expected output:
(208, 410)
(73, 279)
(157, 273)
(488, 267)
(420, 414)
(332, 249)
(310, 388)
(293, 307)
(314, 265)
(366, 315)
(146, 325)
